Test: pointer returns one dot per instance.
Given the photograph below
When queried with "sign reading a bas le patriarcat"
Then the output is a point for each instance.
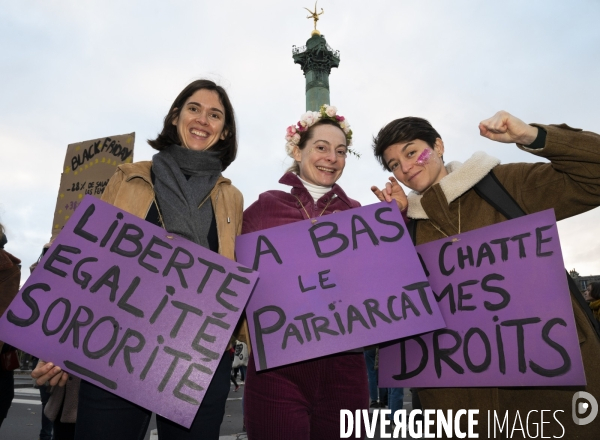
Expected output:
(336, 283)
(131, 308)
(503, 292)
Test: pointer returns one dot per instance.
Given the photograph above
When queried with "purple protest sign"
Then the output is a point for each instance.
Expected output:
(503, 292)
(134, 309)
(335, 283)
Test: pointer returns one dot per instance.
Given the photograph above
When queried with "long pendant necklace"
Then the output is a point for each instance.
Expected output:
(314, 220)
(207, 197)
(442, 232)
(160, 217)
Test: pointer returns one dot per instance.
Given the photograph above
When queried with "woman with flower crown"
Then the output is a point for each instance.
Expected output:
(303, 401)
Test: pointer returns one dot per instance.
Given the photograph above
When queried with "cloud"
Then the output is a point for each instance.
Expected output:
(73, 71)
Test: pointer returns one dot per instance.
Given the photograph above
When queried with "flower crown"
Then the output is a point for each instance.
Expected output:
(309, 119)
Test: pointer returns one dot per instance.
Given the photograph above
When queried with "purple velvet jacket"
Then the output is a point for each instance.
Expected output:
(276, 208)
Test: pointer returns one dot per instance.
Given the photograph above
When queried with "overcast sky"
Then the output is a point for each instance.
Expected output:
(72, 71)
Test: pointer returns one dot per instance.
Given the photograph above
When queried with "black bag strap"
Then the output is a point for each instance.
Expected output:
(412, 230)
(492, 191)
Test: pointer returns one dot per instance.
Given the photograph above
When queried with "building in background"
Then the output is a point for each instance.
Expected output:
(582, 282)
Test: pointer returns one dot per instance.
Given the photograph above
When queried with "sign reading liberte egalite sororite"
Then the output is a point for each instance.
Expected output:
(131, 308)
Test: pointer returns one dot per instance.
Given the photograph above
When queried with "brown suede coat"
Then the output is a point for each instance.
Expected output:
(10, 277)
(131, 189)
(571, 185)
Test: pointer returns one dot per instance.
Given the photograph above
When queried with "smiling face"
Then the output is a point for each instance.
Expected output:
(415, 164)
(323, 158)
(201, 120)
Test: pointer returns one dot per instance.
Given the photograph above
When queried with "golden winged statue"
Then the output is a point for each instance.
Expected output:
(314, 15)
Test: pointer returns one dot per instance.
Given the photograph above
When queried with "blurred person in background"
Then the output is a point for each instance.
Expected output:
(10, 278)
(593, 293)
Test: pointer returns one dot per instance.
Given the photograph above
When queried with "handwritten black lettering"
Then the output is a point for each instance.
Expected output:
(55, 256)
(260, 331)
(378, 217)
(66, 313)
(29, 302)
(366, 229)
(128, 349)
(270, 250)
(109, 345)
(179, 265)
(333, 233)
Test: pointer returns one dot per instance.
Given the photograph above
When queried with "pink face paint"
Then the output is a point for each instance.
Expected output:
(423, 158)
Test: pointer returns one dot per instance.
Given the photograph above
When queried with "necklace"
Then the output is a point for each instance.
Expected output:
(207, 197)
(314, 220)
(160, 217)
(442, 232)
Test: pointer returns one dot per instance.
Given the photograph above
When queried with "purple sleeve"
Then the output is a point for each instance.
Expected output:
(252, 218)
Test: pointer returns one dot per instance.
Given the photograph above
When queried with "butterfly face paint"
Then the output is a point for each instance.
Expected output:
(424, 157)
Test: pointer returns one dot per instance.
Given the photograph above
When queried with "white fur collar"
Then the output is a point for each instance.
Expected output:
(461, 178)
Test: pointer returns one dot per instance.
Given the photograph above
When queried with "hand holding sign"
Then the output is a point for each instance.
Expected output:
(130, 307)
(48, 372)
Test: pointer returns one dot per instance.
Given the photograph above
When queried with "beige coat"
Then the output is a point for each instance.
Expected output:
(571, 185)
(131, 190)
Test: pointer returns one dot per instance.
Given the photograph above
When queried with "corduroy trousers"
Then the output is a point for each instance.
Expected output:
(303, 401)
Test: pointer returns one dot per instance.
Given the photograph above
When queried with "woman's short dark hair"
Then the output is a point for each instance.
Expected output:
(403, 130)
(226, 147)
(306, 136)
(595, 290)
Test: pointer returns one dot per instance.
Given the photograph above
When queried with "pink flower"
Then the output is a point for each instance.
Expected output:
(291, 130)
(309, 118)
(330, 111)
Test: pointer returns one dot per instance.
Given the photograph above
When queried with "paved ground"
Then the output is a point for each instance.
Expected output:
(24, 416)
